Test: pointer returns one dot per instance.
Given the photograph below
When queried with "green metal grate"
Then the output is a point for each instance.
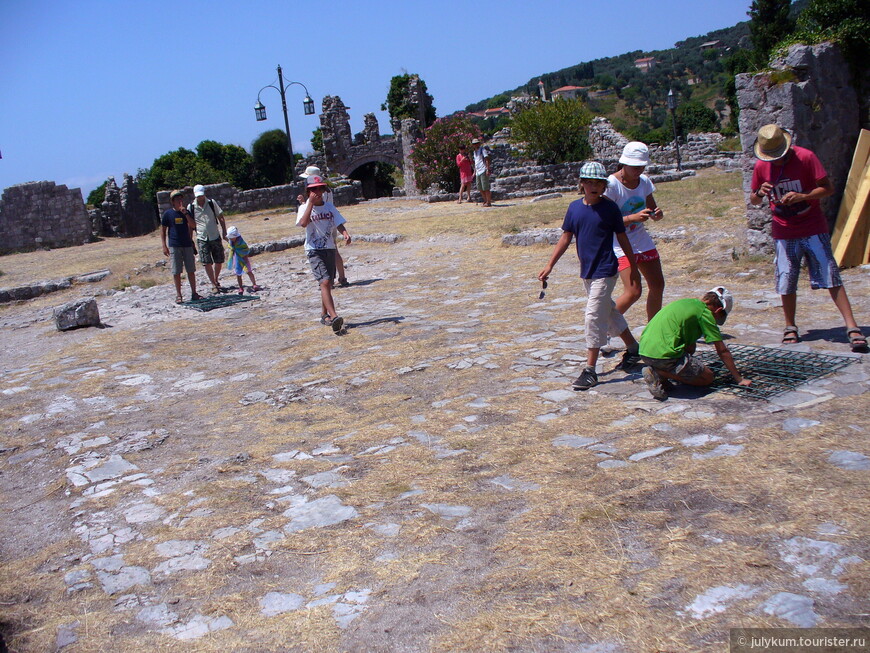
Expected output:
(772, 371)
(217, 301)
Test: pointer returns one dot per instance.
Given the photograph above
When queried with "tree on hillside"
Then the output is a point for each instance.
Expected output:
(553, 132)
(770, 24)
(693, 116)
(272, 163)
(400, 104)
(434, 155)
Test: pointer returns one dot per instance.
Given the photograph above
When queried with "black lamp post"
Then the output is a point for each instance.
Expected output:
(672, 105)
(307, 105)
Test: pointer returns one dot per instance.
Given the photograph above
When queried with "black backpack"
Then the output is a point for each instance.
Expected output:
(190, 208)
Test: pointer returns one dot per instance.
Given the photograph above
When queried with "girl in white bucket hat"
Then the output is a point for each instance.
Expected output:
(633, 193)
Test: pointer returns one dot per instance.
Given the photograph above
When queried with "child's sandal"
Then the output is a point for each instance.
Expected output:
(790, 336)
(857, 340)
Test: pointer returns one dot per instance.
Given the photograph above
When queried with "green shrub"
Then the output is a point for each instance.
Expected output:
(553, 132)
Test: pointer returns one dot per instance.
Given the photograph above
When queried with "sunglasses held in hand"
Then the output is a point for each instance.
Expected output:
(543, 289)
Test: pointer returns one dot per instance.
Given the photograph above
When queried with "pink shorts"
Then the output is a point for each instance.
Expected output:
(640, 257)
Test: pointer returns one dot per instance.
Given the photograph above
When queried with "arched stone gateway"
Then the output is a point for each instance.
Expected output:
(392, 158)
(345, 155)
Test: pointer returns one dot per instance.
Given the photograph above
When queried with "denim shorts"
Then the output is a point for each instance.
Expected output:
(823, 268)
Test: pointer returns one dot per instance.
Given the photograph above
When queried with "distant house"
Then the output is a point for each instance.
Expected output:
(496, 112)
(490, 113)
(568, 92)
(645, 64)
(711, 45)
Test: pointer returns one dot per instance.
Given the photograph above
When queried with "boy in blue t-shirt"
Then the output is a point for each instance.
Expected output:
(594, 220)
(176, 229)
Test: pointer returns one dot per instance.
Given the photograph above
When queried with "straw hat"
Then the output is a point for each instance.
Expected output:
(772, 143)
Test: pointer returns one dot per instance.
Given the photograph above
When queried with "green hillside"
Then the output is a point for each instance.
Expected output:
(636, 100)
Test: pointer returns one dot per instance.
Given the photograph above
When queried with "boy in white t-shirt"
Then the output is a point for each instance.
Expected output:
(320, 219)
(633, 193)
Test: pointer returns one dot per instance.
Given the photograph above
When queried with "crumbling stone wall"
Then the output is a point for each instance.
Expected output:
(808, 92)
(231, 199)
(606, 142)
(344, 154)
(335, 126)
(123, 212)
(42, 214)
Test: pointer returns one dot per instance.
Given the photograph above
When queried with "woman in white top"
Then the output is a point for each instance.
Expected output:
(633, 193)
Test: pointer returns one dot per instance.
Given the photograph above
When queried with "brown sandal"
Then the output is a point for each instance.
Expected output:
(857, 341)
(790, 336)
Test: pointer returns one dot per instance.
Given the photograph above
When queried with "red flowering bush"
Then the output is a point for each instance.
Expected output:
(434, 155)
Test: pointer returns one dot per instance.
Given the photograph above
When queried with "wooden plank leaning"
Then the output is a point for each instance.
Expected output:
(853, 238)
(856, 173)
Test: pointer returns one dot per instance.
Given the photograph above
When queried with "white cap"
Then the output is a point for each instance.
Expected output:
(311, 170)
(634, 153)
(727, 301)
(233, 232)
(198, 190)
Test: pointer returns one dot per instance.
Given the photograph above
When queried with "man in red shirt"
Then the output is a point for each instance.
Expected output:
(793, 180)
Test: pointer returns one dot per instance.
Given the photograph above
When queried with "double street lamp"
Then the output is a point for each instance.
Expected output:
(672, 105)
(307, 104)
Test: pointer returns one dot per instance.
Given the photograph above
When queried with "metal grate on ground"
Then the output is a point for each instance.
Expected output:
(217, 301)
(772, 371)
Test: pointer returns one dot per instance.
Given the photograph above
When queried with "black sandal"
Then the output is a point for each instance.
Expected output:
(858, 342)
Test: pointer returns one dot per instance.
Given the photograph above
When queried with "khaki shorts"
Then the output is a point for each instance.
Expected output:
(181, 257)
(686, 368)
(602, 318)
(482, 182)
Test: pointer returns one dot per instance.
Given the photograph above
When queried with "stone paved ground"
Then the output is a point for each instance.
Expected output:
(244, 480)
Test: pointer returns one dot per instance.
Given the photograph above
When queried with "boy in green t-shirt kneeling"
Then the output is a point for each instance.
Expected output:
(669, 341)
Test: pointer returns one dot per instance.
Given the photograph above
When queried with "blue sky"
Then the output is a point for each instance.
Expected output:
(94, 88)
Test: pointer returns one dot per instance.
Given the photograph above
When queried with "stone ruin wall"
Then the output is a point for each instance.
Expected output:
(809, 92)
(233, 200)
(343, 150)
(516, 177)
(42, 214)
(123, 212)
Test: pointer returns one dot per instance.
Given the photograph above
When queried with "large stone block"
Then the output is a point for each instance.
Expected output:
(75, 314)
